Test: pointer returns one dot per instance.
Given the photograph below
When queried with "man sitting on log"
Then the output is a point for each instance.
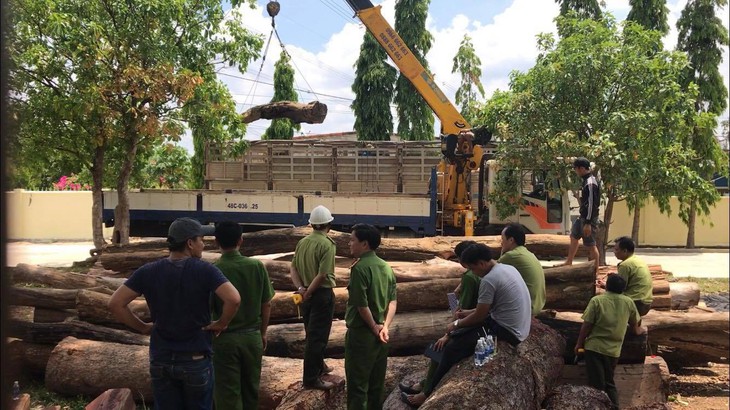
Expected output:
(514, 253)
(313, 273)
(636, 274)
(503, 308)
(602, 334)
(238, 349)
(178, 291)
(468, 291)
(371, 306)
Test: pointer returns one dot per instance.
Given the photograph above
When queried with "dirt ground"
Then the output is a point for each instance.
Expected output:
(697, 384)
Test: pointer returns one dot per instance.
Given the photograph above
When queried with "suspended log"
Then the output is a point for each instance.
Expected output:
(52, 333)
(311, 113)
(517, 378)
(695, 330)
(55, 278)
(91, 367)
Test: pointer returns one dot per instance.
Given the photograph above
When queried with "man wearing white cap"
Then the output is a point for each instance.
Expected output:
(313, 273)
(178, 291)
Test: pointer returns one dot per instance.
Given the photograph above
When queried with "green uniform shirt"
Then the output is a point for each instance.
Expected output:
(372, 284)
(531, 271)
(638, 279)
(469, 290)
(250, 278)
(609, 313)
(313, 255)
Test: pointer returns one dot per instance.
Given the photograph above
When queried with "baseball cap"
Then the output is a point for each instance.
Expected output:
(183, 229)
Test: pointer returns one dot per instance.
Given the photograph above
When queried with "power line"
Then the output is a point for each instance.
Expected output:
(272, 84)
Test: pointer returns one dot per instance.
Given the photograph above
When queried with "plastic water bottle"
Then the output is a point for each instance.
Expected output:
(489, 349)
(479, 353)
(16, 390)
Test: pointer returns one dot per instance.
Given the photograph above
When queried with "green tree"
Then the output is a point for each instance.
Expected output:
(585, 9)
(415, 118)
(702, 36)
(651, 14)
(282, 128)
(469, 66)
(373, 88)
(167, 167)
(87, 83)
(602, 93)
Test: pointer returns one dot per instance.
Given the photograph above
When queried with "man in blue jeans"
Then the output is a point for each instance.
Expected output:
(178, 291)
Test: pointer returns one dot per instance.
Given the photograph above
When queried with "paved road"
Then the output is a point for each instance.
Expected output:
(682, 263)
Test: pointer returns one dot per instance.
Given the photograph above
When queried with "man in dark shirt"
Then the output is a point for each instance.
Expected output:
(178, 291)
(587, 223)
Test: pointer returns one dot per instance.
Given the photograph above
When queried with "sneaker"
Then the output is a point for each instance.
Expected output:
(320, 385)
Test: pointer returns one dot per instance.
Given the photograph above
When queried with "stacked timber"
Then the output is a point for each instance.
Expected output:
(667, 295)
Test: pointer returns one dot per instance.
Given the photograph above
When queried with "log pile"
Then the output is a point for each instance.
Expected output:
(667, 295)
(70, 317)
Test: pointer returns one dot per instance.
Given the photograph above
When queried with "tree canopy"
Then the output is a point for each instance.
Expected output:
(603, 93)
(468, 64)
(373, 88)
(415, 118)
(282, 128)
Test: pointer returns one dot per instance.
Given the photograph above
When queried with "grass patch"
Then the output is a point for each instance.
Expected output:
(707, 285)
(40, 397)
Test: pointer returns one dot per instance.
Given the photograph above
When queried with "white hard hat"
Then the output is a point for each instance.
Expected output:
(320, 215)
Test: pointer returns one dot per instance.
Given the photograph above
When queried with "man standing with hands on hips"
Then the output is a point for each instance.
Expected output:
(371, 306)
(313, 273)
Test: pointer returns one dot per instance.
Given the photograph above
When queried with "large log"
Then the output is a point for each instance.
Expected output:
(684, 295)
(572, 397)
(90, 367)
(92, 307)
(28, 359)
(44, 315)
(694, 330)
(517, 378)
(637, 384)
(52, 333)
(55, 278)
(410, 333)
(311, 113)
(43, 297)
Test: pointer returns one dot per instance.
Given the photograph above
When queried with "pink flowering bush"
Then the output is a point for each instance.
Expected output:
(70, 183)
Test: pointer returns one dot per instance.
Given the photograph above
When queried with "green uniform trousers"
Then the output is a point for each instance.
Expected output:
(365, 361)
(600, 369)
(237, 367)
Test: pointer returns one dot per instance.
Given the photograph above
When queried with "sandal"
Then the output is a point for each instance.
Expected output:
(405, 398)
(408, 388)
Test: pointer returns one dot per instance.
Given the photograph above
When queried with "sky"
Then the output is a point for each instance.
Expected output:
(323, 38)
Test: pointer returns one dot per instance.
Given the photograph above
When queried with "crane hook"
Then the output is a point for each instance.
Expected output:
(273, 8)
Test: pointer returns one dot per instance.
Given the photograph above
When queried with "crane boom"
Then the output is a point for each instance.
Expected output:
(452, 122)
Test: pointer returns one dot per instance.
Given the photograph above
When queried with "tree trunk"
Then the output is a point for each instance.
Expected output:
(28, 359)
(52, 333)
(684, 295)
(571, 397)
(516, 378)
(120, 235)
(90, 367)
(92, 307)
(55, 278)
(691, 222)
(97, 175)
(42, 297)
(602, 236)
(43, 315)
(694, 331)
(311, 113)
(635, 225)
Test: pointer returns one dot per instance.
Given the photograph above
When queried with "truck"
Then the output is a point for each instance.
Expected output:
(425, 188)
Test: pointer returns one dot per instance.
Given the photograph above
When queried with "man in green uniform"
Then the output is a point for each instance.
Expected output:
(602, 334)
(371, 306)
(514, 253)
(468, 291)
(238, 349)
(636, 274)
(313, 273)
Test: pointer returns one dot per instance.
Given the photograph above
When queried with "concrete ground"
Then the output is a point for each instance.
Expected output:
(700, 263)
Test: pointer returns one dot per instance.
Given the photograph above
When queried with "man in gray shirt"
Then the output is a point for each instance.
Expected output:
(503, 308)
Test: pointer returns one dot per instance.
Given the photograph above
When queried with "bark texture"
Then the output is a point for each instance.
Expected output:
(311, 113)
(570, 397)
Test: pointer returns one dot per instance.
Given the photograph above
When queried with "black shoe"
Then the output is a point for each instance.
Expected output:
(408, 388)
(320, 385)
